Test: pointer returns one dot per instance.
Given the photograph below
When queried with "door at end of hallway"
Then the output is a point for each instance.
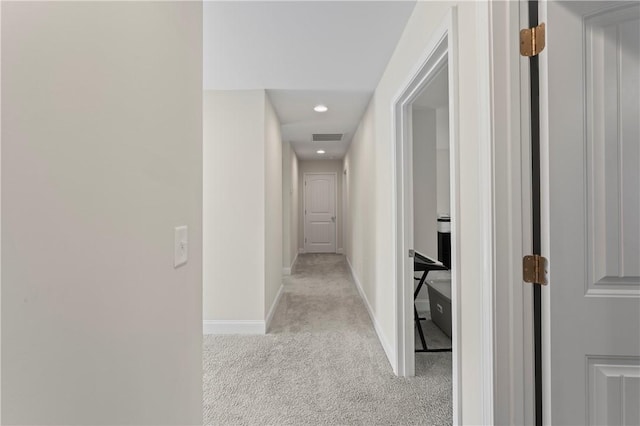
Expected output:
(320, 212)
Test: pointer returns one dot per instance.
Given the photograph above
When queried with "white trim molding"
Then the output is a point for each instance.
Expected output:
(506, 174)
(388, 349)
(274, 305)
(340, 251)
(433, 60)
(487, 206)
(259, 327)
(441, 52)
(233, 327)
(287, 270)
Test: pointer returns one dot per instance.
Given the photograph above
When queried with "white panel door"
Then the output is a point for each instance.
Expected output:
(320, 213)
(590, 127)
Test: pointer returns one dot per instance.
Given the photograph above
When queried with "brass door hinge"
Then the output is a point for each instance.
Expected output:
(532, 40)
(534, 269)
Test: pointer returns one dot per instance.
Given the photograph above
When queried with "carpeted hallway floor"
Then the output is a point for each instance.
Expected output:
(320, 364)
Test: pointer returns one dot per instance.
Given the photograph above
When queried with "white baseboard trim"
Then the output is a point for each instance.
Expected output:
(287, 270)
(301, 250)
(233, 327)
(340, 251)
(388, 349)
(272, 310)
(242, 326)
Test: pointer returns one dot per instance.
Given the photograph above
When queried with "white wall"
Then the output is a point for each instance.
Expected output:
(320, 166)
(360, 233)
(273, 204)
(0, 218)
(234, 205)
(370, 163)
(242, 157)
(425, 184)
(295, 203)
(289, 205)
(286, 205)
(101, 159)
(443, 179)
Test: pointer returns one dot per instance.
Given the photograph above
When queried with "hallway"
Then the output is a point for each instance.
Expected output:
(321, 363)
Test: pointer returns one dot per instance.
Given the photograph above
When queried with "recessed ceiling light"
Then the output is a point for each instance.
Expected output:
(320, 108)
(320, 151)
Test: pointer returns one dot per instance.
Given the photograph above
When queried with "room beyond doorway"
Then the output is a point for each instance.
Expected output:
(432, 217)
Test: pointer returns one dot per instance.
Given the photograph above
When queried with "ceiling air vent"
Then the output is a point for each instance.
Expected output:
(327, 137)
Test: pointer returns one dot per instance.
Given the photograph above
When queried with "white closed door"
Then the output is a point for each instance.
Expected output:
(320, 213)
(590, 132)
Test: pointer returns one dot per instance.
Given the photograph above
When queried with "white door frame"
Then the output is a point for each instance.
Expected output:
(506, 173)
(304, 205)
(512, 239)
(507, 314)
(441, 51)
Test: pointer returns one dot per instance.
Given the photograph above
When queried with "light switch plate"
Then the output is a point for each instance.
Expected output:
(181, 246)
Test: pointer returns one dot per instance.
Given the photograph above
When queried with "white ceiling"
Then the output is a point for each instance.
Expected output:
(299, 120)
(305, 53)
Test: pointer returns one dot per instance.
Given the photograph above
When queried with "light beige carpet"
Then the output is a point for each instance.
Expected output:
(320, 364)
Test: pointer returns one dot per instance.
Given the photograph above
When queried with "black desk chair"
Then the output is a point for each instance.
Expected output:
(424, 264)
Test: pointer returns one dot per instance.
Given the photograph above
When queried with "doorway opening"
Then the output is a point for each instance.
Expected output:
(427, 240)
(431, 219)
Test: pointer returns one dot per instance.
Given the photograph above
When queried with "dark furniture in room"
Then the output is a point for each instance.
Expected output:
(425, 265)
(444, 240)
(440, 304)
